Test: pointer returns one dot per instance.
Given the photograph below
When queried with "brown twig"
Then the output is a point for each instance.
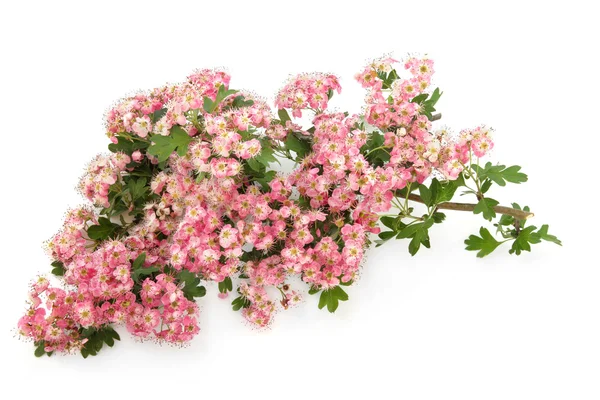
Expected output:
(519, 214)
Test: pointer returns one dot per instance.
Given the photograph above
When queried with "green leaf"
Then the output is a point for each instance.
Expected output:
(486, 207)
(331, 298)
(340, 293)
(208, 105)
(255, 165)
(323, 299)
(239, 303)
(59, 268)
(385, 236)
(110, 331)
(390, 222)
(448, 188)
(438, 217)
(524, 240)
(139, 261)
(109, 341)
(39, 350)
(137, 188)
(104, 230)
(425, 194)
(420, 98)
(156, 115)
(506, 220)
(414, 245)
(195, 291)
(512, 174)
(375, 155)
(163, 146)
(139, 273)
(97, 338)
(226, 285)
(402, 193)
(410, 230)
(542, 234)
(435, 96)
(485, 244)
(300, 147)
(181, 139)
(127, 146)
(191, 282)
(187, 277)
(265, 157)
(240, 102)
(500, 174)
(420, 237)
(223, 93)
(264, 181)
(486, 186)
(283, 116)
(313, 290)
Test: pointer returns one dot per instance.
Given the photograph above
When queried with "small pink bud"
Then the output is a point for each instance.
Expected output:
(223, 295)
(137, 156)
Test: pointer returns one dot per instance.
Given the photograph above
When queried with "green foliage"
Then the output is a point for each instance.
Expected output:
(522, 238)
(438, 217)
(313, 290)
(394, 223)
(439, 192)
(283, 116)
(426, 194)
(163, 146)
(418, 233)
(485, 244)
(528, 236)
(58, 268)
(97, 338)
(127, 146)
(486, 207)
(265, 157)
(156, 115)
(191, 286)
(240, 102)
(331, 298)
(299, 146)
(40, 349)
(104, 230)
(210, 106)
(138, 271)
(239, 303)
(387, 78)
(137, 188)
(256, 167)
(428, 105)
(402, 193)
(226, 285)
(543, 235)
(373, 151)
(499, 174)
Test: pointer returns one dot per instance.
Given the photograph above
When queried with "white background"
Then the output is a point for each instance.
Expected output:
(440, 325)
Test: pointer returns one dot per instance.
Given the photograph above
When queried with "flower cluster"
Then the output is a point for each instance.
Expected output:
(101, 174)
(189, 195)
(307, 91)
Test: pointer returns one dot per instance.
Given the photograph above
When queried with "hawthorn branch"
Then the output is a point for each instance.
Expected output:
(518, 214)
